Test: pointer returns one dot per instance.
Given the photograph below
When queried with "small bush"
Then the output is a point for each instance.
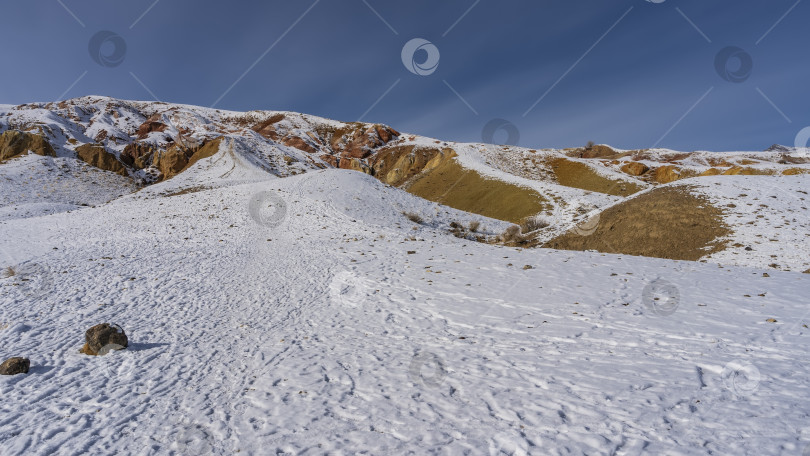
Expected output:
(511, 234)
(531, 224)
(414, 217)
(474, 225)
(9, 272)
(590, 145)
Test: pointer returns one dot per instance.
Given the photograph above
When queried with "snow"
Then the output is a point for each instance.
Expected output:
(317, 331)
(769, 217)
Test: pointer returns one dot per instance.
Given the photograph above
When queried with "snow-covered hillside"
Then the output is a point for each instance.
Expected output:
(277, 304)
(333, 324)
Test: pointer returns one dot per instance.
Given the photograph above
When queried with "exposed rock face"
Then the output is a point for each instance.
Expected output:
(14, 366)
(666, 174)
(172, 161)
(267, 128)
(137, 155)
(710, 172)
(14, 143)
(299, 143)
(102, 338)
(357, 140)
(99, 157)
(149, 126)
(598, 151)
(635, 168)
(396, 165)
(207, 149)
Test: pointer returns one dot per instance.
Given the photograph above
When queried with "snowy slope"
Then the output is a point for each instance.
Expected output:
(333, 324)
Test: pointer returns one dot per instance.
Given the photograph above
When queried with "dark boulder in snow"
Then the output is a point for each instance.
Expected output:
(14, 366)
(100, 339)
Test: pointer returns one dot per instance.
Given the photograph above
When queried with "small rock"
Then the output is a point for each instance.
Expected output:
(100, 339)
(748, 249)
(411, 252)
(771, 320)
(528, 266)
(14, 366)
(765, 274)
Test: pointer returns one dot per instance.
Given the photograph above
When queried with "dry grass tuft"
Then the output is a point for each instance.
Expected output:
(414, 217)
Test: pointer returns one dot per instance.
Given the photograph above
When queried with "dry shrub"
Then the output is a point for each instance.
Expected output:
(510, 235)
(414, 217)
(474, 225)
(531, 224)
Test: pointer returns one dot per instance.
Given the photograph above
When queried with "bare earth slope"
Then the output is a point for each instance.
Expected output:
(667, 222)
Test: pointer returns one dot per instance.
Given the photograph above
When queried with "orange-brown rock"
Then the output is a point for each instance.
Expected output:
(359, 142)
(102, 338)
(151, 124)
(173, 160)
(14, 143)
(711, 172)
(635, 168)
(666, 174)
(598, 151)
(330, 159)
(267, 128)
(97, 155)
(298, 143)
(137, 155)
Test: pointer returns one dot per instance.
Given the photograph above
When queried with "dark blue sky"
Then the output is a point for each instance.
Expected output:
(620, 72)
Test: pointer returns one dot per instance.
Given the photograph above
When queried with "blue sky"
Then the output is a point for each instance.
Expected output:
(631, 73)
